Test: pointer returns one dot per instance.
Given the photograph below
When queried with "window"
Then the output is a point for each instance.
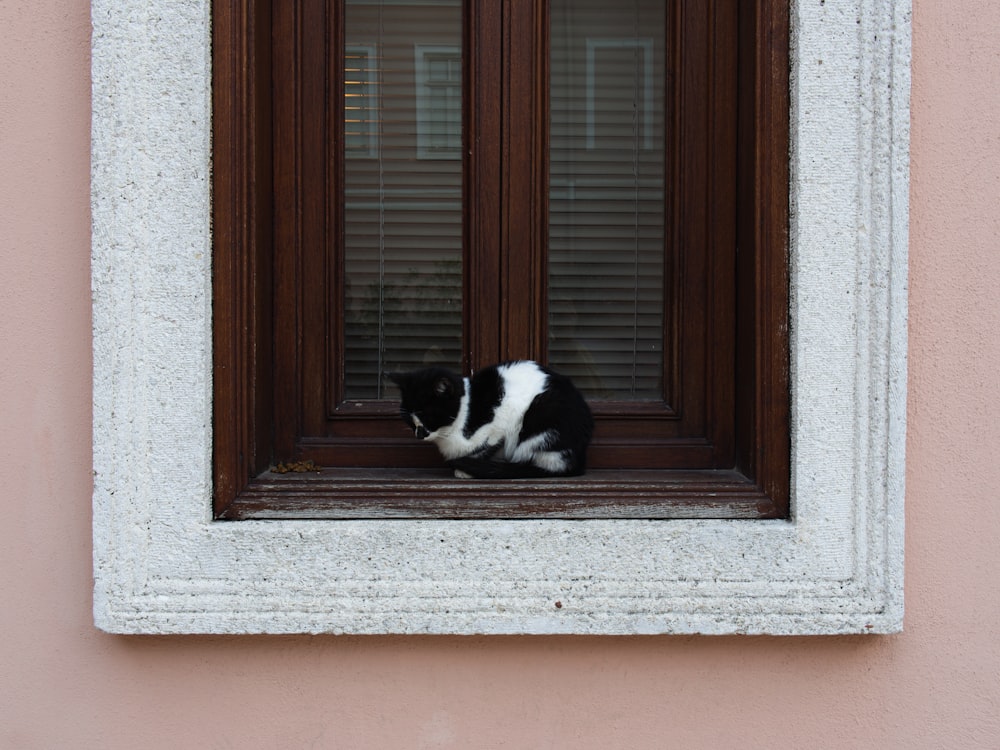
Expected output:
(163, 565)
(465, 183)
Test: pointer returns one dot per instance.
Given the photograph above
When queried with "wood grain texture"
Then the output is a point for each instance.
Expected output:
(413, 494)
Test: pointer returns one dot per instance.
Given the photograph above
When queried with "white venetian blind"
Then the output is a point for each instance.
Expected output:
(402, 190)
(606, 196)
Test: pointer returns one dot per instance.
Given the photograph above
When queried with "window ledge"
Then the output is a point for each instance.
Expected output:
(436, 494)
(163, 565)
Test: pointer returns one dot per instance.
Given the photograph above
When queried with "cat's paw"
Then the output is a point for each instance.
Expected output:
(459, 474)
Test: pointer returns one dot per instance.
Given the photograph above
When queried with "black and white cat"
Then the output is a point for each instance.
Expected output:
(509, 421)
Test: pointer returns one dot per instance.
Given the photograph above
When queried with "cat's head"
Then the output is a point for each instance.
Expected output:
(429, 399)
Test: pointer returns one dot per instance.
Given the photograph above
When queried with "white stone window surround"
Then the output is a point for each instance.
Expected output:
(162, 565)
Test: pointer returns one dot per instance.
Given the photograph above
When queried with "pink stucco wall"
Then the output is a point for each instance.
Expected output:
(63, 684)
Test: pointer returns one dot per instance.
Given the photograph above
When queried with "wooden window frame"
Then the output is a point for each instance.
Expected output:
(254, 408)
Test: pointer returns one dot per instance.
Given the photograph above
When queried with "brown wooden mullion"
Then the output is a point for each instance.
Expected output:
(232, 348)
(241, 245)
(262, 293)
(481, 187)
(721, 213)
(695, 232)
(524, 190)
(774, 380)
(762, 413)
(286, 88)
(319, 244)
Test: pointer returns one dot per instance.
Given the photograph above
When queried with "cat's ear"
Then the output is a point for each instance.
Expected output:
(443, 387)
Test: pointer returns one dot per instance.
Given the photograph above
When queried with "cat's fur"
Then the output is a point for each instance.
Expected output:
(508, 421)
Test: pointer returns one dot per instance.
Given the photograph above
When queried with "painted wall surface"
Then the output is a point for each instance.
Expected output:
(67, 685)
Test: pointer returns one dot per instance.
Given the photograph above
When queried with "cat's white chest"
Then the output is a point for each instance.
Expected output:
(522, 382)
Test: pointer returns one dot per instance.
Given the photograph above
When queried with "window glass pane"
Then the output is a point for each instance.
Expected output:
(402, 190)
(606, 196)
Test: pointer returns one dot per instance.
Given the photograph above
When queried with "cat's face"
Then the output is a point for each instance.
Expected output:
(429, 399)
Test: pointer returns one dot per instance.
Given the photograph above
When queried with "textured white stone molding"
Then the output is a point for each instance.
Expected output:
(163, 566)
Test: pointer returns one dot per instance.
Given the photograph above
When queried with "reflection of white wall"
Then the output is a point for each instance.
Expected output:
(598, 69)
(438, 78)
